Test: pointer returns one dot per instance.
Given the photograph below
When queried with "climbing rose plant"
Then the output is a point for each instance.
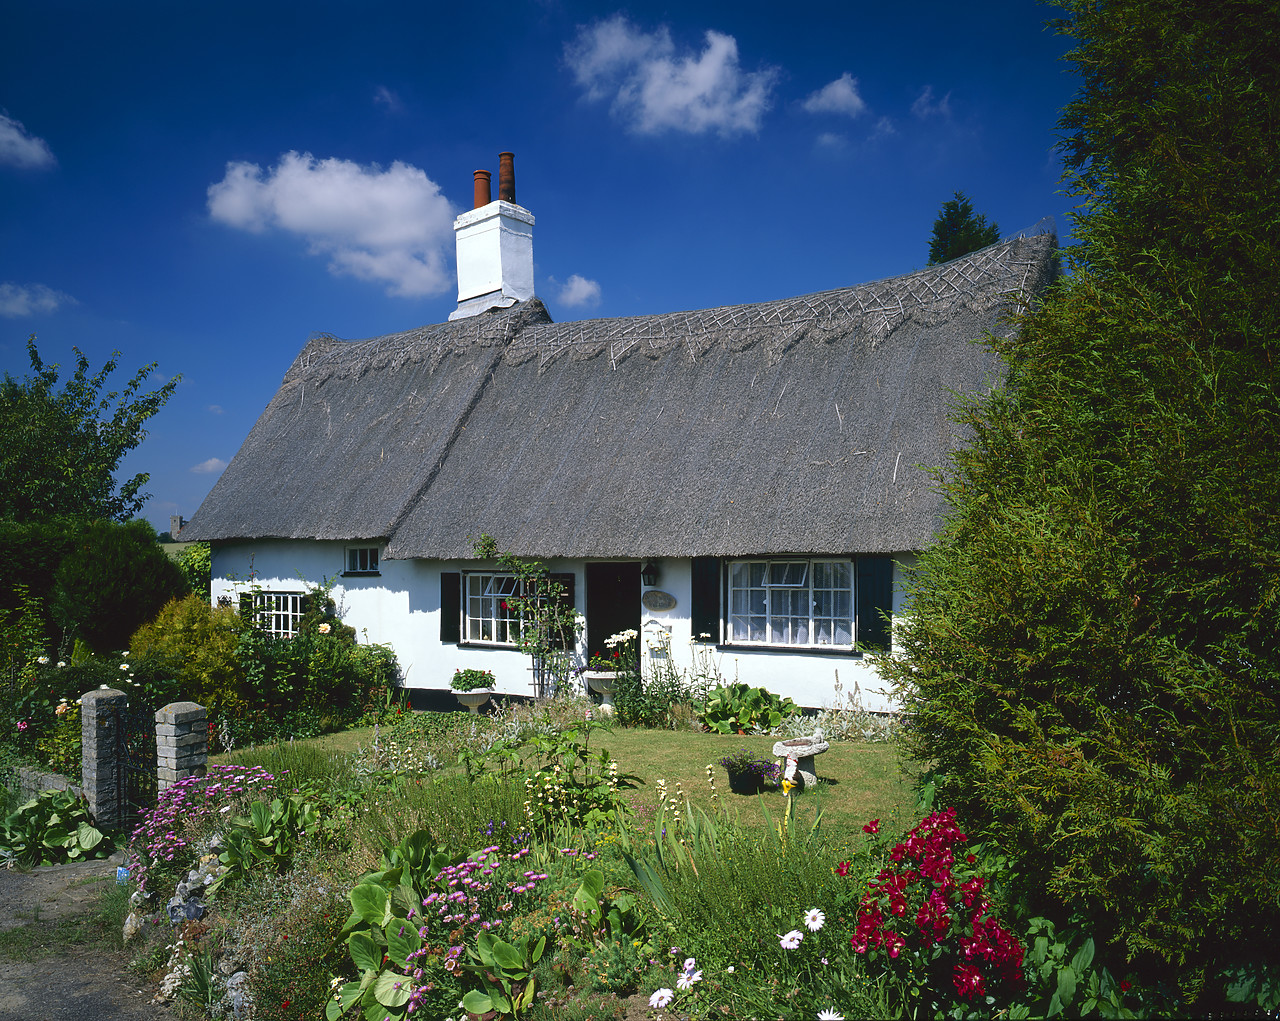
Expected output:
(926, 920)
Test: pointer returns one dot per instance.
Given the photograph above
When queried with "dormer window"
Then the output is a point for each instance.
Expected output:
(362, 560)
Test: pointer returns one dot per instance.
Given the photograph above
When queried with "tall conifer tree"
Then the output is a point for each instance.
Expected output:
(1092, 660)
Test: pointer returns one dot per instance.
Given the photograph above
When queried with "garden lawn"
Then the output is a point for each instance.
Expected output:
(860, 781)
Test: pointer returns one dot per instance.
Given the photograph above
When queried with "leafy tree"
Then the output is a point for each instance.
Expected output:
(1092, 662)
(63, 445)
(958, 231)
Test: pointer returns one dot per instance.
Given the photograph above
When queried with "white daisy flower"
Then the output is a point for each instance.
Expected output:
(661, 998)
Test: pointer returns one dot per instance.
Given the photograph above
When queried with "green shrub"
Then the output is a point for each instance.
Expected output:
(50, 829)
(195, 561)
(198, 644)
(30, 553)
(114, 580)
(741, 709)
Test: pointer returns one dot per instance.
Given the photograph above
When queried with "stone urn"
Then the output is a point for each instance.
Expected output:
(604, 683)
(474, 698)
(797, 756)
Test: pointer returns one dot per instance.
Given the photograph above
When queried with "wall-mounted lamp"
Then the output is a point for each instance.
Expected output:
(649, 573)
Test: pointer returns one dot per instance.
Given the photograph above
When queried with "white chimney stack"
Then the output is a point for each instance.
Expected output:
(495, 246)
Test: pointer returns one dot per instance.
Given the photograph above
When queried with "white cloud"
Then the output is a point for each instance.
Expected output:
(18, 300)
(389, 226)
(656, 89)
(213, 466)
(884, 127)
(579, 292)
(832, 140)
(385, 97)
(926, 106)
(215, 409)
(19, 149)
(840, 96)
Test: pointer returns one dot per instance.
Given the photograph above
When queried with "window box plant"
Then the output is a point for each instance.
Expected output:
(472, 687)
(748, 775)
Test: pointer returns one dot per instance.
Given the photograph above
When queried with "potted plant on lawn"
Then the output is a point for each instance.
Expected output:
(472, 687)
(749, 775)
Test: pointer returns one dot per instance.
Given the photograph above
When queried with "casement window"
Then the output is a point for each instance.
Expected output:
(277, 613)
(491, 616)
(362, 560)
(480, 607)
(793, 602)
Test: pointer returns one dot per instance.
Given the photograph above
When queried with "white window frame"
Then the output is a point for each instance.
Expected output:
(361, 560)
(278, 613)
(775, 603)
(485, 621)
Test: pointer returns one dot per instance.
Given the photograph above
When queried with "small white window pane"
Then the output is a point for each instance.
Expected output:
(788, 573)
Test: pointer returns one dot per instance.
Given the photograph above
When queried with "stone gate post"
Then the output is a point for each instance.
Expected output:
(99, 767)
(182, 742)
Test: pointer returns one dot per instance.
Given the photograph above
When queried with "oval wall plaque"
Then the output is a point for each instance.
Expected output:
(658, 601)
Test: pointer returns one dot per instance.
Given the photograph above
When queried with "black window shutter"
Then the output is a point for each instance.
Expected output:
(246, 607)
(874, 602)
(704, 602)
(450, 607)
(565, 639)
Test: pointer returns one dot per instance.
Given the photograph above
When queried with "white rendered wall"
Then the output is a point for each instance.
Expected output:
(401, 608)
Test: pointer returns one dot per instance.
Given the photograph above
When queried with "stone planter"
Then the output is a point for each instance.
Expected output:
(604, 683)
(473, 699)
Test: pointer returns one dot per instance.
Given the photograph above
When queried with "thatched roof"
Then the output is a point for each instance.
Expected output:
(804, 425)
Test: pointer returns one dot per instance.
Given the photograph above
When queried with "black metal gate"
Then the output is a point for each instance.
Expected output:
(135, 763)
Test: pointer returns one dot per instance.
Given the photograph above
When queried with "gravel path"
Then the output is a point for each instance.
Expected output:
(73, 983)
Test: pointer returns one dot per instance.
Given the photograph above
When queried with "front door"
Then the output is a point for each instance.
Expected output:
(613, 602)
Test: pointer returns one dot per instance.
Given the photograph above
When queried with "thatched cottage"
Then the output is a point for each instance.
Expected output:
(747, 481)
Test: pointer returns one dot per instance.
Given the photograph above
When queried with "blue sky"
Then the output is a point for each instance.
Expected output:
(207, 185)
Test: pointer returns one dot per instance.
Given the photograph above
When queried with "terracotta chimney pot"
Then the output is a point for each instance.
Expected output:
(483, 195)
(507, 176)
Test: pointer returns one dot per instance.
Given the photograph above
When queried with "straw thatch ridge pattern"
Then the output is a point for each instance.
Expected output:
(808, 425)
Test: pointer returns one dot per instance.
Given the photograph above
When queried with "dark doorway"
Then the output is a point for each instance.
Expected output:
(613, 602)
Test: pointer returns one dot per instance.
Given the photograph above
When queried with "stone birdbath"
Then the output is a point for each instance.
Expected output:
(797, 756)
(605, 683)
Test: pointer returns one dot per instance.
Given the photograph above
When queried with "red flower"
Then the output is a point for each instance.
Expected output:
(1125, 985)
(968, 980)
(844, 868)
(872, 827)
